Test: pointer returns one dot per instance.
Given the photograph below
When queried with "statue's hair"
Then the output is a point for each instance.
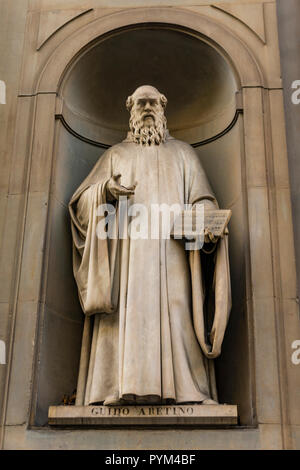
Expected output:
(153, 135)
(141, 134)
(130, 99)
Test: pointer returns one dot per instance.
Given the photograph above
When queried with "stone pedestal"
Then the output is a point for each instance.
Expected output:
(147, 415)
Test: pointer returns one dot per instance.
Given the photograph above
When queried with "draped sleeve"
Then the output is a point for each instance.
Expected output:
(94, 262)
(199, 192)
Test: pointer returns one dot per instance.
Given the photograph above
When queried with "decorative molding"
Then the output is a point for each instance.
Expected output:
(230, 45)
(95, 143)
(220, 134)
(61, 118)
(250, 15)
(52, 21)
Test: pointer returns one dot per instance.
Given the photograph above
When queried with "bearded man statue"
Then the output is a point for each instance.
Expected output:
(151, 332)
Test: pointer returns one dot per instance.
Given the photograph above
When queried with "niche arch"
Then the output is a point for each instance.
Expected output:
(74, 152)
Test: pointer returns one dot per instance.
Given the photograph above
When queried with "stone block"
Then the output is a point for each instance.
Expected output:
(42, 145)
(287, 260)
(279, 151)
(260, 243)
(21, 149)
(152, 415)
(19, 393)
(271, 436)
(58, 362)
(266, 362)
(9, 242)
(254, 137)
(17, 437)
(33, 249)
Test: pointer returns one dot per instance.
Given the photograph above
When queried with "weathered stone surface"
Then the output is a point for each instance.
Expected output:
(288, 28)
(18, 437)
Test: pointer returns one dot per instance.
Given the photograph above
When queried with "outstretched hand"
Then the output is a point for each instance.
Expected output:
(115, 189)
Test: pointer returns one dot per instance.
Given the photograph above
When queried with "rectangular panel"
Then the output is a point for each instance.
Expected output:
(187, 415)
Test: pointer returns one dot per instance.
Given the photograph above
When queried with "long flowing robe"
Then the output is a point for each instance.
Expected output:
(145, 333)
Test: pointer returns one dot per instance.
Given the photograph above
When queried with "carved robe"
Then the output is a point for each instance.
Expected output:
(145, 334)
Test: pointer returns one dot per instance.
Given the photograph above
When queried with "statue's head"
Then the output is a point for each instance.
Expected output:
(147, 122)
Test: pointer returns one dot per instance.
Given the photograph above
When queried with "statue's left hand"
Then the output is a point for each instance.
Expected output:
(209, 237)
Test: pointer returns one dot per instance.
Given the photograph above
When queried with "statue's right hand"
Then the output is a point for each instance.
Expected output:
(114, 189)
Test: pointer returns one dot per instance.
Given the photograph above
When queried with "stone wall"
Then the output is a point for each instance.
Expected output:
(41, 42)
(288, 15)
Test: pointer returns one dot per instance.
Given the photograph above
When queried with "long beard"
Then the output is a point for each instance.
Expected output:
(144, 135)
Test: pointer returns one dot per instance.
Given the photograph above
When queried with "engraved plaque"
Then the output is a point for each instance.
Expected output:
(100, 415)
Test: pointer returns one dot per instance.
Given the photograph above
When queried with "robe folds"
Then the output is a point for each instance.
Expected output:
(145, 337)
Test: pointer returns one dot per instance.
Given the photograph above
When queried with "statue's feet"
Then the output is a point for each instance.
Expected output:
(209, 401)
(113, 401)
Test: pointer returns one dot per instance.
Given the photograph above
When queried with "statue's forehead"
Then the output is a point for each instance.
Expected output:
(144, 93)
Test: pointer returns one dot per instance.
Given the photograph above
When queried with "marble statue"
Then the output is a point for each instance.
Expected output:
(155, 313)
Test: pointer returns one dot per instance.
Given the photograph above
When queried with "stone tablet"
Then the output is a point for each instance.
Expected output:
(215, 222)
(151, 415)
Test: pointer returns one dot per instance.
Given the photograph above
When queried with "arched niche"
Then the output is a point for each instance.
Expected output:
(91, 116)
(201, 93)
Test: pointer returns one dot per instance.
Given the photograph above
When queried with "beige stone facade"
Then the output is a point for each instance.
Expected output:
(60, 62)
